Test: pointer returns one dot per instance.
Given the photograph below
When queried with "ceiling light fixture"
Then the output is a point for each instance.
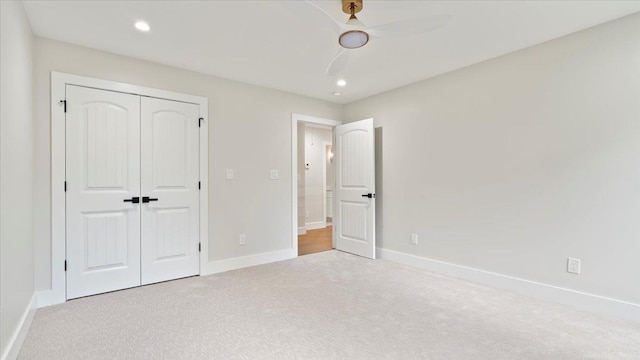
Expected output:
(357, 37)
(142, 26)
(337, 93)
(341, 82)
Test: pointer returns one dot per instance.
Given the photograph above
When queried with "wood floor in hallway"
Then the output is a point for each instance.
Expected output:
(315, 241)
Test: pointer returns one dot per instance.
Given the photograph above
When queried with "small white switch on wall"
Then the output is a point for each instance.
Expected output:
(414, 239)
(229, 174)
(243, 239)
(573, 265)
(273, 175)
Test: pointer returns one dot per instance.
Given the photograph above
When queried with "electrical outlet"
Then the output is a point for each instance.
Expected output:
(573, 265)
(243, 239)
(229, 174)
(414, 239)
(306, 214)
(273, 175)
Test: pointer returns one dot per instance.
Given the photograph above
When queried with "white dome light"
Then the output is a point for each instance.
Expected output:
(341, 82)
(142, 26)
(353, 39)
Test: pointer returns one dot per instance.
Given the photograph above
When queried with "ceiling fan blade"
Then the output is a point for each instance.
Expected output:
(307, 8)
(336, 26)
(411, 26)
(338, 62)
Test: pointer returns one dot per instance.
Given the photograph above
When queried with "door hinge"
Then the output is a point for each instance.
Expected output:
(200, 121)
(199, 185)
(65, 186)
(65, 265)
(199, 247)
(64, 102)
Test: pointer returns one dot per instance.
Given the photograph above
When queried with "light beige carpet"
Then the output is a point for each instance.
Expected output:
(328, 305)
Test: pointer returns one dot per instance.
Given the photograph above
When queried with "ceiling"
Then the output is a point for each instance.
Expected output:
(287, 46)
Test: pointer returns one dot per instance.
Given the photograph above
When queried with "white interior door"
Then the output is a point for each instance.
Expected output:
(102, 173)
(170, 183)
(354, 194)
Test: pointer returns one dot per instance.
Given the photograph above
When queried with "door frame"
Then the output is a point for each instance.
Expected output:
(59, 81)
(295, 119)
(324, 179)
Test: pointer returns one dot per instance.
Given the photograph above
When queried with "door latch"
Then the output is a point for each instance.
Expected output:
(369, 195)
(133, 200)
(146, 199)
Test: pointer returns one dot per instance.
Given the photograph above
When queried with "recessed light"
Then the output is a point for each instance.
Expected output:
(341, 82)
(337, 93)
(142, 26)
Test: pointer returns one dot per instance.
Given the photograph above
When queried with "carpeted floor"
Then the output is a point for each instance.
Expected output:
(329, 305)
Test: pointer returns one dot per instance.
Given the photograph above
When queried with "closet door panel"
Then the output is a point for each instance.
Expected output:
(102, 172)
(170, 182)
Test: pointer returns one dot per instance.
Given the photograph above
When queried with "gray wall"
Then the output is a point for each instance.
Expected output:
(250, 132)
(16, 169)
(517, 163)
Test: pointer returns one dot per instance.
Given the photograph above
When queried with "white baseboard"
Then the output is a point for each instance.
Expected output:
(585, 301)
(316, 225)
(302, 230)
(17, 338)
(214, 267)
(44, 298)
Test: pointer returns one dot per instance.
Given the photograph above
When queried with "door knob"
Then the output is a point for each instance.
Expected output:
(133, 200)
(369, 195)
(146, 199)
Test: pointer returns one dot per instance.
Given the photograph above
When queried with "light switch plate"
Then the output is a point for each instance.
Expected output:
(273, 175)
(414, 239)
(229, 174)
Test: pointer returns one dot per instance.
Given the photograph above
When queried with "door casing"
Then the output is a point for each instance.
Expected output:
(59, 81)
(295, 118)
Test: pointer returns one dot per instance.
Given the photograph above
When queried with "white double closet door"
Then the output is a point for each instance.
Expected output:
(132, 183)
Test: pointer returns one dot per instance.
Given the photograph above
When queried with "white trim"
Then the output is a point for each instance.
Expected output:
(219, 266)
(204, 184)
(45, 298)
(302, 230)
(324, 180)
(295, 118)
(585, 301)
(315, 120)
(315, 225)
(58, 221)
(20, 333)
(58, 161)
(319, 126)
(333, 188)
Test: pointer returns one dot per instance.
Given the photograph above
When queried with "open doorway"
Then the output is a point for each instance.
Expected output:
(314, 171)
(351, 165)
(315, 184)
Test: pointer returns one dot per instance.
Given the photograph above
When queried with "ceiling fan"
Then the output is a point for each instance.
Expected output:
(354, 34)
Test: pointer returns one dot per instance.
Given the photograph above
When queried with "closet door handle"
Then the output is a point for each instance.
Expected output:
(133, 200)
(146, 199)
